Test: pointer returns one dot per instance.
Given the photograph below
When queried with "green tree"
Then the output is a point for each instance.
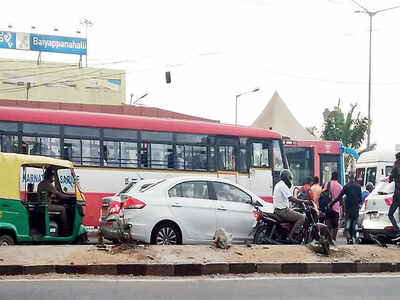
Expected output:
(350, 129)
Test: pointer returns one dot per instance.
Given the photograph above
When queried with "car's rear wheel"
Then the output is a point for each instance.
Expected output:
(6, 240)
(166, 234)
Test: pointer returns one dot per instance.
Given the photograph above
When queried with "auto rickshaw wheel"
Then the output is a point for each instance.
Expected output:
(6, 240)
(82, 239)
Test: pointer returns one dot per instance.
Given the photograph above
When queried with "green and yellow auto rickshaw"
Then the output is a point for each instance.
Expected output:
(27, 213)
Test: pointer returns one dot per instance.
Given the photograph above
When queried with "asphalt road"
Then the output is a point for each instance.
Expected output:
(364, 287)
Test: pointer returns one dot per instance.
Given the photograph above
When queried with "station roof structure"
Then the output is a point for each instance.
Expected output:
(277, 116)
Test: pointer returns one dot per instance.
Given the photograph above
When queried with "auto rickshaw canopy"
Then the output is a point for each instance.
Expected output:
(10, 166)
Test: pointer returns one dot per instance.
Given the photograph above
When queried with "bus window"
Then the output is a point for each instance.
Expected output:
(277, 156)
(9, 143)
(8, 137)
(8, 127)
(388, 170)
(31, 128)
(191, 157)
(301, 163)
(226, 158)
(260, 156)
(360, 175)
(72, 151)
(90, 152)
(129, 155)
(41, 146)
(371, 175)
(160, 155)
(111, 154)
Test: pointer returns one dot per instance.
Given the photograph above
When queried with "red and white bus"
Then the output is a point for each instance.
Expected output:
(316, 158)
(109, 151)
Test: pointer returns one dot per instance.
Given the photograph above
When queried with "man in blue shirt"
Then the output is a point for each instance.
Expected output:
(368, 189)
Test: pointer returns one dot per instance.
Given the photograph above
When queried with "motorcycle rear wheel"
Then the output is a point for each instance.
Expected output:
(262, 234)
(325, 242)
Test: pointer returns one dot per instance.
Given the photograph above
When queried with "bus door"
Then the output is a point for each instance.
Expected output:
(301, 163)
(227, 158)
(329, 163)
(260, 172)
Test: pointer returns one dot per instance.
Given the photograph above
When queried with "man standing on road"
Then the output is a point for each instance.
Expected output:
(395, 176)
(353, 200)
(332, 215)
(316, 190)
(305, 192)
(281, 199)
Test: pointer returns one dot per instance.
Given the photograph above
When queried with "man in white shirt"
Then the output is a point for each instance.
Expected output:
(281, 199)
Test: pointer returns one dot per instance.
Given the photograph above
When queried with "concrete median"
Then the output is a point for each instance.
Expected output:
(193, 260)
(202, 269)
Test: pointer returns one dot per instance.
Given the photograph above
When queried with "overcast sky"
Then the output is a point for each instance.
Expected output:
(312, 52)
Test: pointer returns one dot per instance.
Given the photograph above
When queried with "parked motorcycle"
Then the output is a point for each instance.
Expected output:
(271, 229)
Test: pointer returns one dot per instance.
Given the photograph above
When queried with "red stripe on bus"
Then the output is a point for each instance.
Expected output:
(129, 122)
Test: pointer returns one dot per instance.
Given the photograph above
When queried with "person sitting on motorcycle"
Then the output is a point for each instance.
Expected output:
(281, 198)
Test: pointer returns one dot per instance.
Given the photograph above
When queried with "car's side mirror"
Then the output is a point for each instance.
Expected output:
(257, 203)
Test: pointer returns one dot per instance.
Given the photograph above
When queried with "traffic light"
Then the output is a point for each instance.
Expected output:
(168, 77)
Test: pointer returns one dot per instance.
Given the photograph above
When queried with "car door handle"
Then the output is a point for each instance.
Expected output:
(4, 205)
(176, 205)
(221, 208)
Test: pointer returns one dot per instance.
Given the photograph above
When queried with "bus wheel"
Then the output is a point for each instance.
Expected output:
(6, 240)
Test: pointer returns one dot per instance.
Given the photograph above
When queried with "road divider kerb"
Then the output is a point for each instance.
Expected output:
(203, 269)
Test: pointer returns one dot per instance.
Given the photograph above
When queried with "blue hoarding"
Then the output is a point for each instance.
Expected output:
(58, 44)
(7, 39)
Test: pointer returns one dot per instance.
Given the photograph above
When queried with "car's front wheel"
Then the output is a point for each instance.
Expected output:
(166, 234)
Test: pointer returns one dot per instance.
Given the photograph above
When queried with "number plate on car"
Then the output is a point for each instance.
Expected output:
(374, 216)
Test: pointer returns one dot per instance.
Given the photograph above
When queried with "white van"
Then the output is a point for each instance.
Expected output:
(374, 166)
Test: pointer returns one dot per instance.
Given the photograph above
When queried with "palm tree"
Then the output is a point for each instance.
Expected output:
(350, 130)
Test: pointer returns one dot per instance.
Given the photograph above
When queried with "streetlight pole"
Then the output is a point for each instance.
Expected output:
(137, 100)
(370, 14)
(236, 100)
(87, 24)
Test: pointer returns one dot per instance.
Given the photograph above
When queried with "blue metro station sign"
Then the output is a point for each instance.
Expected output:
(43, 43)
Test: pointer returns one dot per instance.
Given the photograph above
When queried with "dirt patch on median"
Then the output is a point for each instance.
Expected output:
(82, 255)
